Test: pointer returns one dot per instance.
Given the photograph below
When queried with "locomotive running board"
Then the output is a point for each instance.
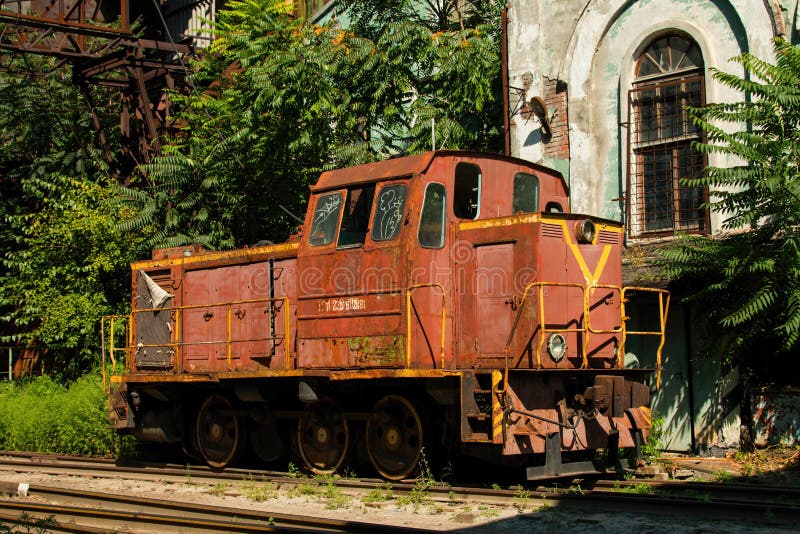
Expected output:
(553, 466)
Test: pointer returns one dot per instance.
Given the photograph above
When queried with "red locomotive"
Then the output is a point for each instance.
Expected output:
(446, 302)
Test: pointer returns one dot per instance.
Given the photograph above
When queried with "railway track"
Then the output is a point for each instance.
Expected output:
(72, 510)
(778, 505)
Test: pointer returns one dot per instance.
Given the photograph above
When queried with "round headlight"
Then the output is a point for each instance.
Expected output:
(556, 346)
(585, 231)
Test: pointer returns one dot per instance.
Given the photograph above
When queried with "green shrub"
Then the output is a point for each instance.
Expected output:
(652, 447)
(41, 415)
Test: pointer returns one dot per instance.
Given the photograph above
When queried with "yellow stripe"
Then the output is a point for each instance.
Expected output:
(497, 409)
(239, 254)
(591, 277)
(500, 222)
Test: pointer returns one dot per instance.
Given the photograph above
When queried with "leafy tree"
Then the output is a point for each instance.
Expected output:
(748, 279)
(279, 99)
(63, 263)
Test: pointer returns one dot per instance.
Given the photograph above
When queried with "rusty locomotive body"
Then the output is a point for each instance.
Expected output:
(444, 303)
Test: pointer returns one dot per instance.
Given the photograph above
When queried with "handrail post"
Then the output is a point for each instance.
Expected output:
(230, 328)
(102, 353)
(586, 324)
(408, 328)
(444, 320)
(178, 345)
(287, 334)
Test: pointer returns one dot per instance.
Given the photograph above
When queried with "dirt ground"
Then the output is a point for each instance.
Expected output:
(775, 466)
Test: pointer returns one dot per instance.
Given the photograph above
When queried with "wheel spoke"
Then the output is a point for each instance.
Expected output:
(219, 437)
(394, 437)
(323, 437)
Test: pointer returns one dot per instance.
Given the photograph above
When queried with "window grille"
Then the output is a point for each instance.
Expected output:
(669, 79)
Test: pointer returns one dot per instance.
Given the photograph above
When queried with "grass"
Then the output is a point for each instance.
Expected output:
(380, 493)
(219, 489)
(521, 499)
(420, 494)
(334, 496)
(258, 492)
(40, 415)
(639, 489)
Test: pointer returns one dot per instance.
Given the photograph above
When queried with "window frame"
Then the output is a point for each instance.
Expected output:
(457, 191)
(349, 216)
(674, 134)
(536, 196)
(401, 211)
(338, 209)
(443, 228)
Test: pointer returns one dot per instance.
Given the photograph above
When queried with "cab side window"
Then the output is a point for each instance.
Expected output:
(355, 220)
(526, 193)
(431, 221)
(389, 210)
(467, 191)
(326, 219)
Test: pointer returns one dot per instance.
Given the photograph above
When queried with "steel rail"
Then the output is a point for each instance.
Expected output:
(86, 508)
(704, 499)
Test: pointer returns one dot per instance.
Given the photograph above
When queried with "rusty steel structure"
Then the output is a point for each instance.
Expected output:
(96, 38)
(447, 302)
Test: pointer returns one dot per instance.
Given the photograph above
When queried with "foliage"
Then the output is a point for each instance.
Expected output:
(42, 415)
(749, 279)
(654, 444)
(27, 524)
(62, 261)
(279, 99)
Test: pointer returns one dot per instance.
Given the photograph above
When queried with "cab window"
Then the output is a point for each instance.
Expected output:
(389, 208)
(526, 193)
(355, 220)
(467, 191)
(431, 221)
(326, 219)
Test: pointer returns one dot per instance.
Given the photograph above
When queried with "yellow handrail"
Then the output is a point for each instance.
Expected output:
(588, 314)
(663, 299)
(111, 346)
(408, 320)
(518, 316)
(176, 342)
(663, 312)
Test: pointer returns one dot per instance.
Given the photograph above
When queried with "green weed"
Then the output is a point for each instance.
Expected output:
(521, 499)
(723, 476)
(640, 489)
(334, 496)
(654, 444)
(380, 493)
(219, 489)
(27, 524)
(254, 491)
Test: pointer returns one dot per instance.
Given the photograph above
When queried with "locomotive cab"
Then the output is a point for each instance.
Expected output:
(444, 303)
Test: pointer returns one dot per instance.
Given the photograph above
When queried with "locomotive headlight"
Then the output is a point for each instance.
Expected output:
(585, 231)
(556, 346)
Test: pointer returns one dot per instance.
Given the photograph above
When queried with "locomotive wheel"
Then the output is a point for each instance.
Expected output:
(220, 435)
(394, 437)
(323, 437)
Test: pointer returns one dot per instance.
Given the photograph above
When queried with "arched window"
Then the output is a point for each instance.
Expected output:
(668, 79)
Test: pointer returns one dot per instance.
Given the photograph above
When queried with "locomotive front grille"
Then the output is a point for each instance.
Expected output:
(552, 230)
(609, 238)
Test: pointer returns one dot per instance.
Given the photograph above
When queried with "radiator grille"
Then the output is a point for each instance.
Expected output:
(609, 238)
(552, 230)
